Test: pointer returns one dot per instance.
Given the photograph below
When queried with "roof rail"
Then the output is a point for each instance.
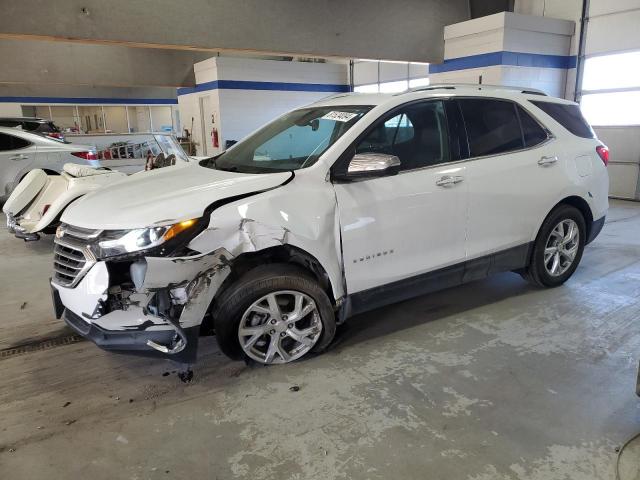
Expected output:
(454, 86)
(339, 95)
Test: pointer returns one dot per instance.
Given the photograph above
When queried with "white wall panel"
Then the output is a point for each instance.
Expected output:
(243, 111)
(623, 180)
(613, 33)
(365, 73)
(603, 7)
(623, 142)
(10, 110)
(474, 44)
(391, 71)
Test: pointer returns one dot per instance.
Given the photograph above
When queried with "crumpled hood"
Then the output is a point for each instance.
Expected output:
(164, 196)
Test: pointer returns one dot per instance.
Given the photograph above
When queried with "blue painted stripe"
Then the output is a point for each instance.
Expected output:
(251, 85)
(518, 59)
(91, 100)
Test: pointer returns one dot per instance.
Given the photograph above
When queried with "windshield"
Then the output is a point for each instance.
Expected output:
(295, 140)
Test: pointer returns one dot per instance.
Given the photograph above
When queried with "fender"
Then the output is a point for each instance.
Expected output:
(270, 219)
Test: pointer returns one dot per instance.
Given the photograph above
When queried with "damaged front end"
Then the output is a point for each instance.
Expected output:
(150, 302)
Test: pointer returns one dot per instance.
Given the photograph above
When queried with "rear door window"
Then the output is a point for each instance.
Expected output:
(567, 115)
(492, 126)
(9, 142)
(532, 133)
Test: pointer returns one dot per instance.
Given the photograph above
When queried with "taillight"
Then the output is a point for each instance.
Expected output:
(46, 208)
(85, 155)
(55, 136)
(603, 153)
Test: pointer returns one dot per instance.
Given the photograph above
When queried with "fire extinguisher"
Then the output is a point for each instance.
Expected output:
(214, 138)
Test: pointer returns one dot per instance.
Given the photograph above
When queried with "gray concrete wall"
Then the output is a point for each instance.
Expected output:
(73, 91)
(399, 30)
(46, 62)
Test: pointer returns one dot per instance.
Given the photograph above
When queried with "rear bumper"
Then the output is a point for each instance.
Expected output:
(596, 228)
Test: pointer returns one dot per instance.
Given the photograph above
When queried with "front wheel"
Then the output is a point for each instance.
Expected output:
(273, 314)
(558, 248)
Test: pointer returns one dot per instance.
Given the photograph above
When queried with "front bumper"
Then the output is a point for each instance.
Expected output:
(134, 341)
(139, 326)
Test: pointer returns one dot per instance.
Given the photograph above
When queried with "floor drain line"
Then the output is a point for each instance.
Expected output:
(39, 346)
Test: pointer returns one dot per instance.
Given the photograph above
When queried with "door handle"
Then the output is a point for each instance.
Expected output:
(19, 157)
(448, 180)
(546, 161)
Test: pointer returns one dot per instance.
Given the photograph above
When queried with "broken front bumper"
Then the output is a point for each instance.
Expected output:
(144, 323)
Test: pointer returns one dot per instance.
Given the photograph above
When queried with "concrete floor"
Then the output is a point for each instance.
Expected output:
(493, 380)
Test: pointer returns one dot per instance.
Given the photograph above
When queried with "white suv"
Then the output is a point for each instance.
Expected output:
(334, 209)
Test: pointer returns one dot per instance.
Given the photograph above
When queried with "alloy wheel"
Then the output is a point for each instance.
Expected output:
(561, 247)
(280, 327)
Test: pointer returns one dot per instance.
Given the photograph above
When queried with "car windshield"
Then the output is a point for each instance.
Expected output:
(293, 141)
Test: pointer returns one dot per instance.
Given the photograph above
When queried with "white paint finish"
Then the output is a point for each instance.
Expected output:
(400, 226)
(501, 202)
(42, 152)
(584, 164)
(301, 213)
(152, 198)
(25, 191)
(58, 192)
(83, 299)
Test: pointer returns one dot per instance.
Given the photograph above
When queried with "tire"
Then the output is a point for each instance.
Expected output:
(247, 303)
(541, 273)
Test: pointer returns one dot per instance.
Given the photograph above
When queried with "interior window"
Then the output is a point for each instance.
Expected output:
(9, 142)
(492, 126)
(532, 132)
(417, 135)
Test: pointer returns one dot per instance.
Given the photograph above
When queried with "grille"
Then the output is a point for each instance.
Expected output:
(72, 257)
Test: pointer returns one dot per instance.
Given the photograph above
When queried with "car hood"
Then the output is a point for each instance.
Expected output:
(164, 196)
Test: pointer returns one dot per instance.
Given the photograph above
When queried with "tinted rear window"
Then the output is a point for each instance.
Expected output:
(532, 132)
(569, 116)
(492, 126)
(9, 142)
(9, 123)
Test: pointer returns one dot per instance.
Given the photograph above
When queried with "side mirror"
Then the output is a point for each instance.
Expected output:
(368, 165)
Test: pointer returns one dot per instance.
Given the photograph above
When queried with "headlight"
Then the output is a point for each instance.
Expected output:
(129, 241)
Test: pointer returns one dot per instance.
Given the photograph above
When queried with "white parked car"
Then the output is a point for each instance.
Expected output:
(36, 205)
(354, 202)
(38, 201)
(22, 151)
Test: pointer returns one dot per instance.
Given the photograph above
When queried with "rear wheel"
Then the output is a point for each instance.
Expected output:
(558, 248)
(273, 314)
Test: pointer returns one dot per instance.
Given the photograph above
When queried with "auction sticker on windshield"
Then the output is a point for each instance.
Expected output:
(339, 116)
